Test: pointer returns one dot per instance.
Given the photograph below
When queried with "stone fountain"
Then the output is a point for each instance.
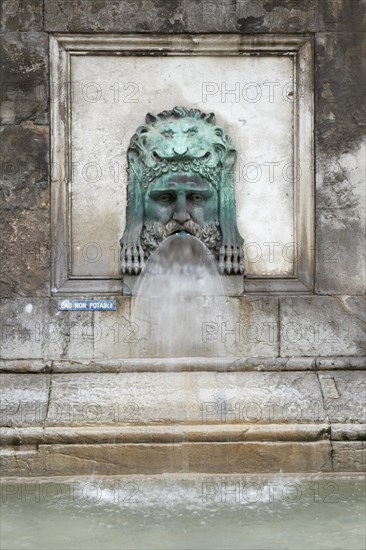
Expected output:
(190, 387)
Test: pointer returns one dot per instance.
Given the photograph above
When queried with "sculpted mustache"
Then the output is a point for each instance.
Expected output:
(189, 225)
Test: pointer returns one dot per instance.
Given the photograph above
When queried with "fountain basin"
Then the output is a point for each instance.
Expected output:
(176, 512)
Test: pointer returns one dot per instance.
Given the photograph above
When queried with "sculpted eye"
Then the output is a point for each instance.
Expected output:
(165, 198)
(191, 132)
(196, 197)
(167, 134)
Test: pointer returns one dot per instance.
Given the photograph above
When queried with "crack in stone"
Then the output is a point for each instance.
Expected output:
(331, 452)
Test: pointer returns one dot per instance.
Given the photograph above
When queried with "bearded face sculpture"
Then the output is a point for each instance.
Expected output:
(180, 178)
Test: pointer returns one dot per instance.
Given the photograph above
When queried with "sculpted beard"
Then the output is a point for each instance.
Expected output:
(153, 233)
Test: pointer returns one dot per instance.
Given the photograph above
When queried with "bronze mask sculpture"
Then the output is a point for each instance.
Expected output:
(180, 178)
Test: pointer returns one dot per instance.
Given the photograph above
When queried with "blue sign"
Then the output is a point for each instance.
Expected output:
(87, 305)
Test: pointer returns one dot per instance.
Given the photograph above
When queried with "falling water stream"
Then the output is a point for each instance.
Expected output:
(179, 290)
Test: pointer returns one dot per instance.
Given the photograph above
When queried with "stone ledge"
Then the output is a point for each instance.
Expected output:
(185, 364)
(121, 459)
(64, 424)
(200, 433)
(162, 398)
(181, 433)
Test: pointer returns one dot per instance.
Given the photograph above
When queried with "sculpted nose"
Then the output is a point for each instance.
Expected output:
(181, 214)
(180, 151)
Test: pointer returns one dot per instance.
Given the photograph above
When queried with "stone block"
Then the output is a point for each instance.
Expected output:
(127, 16)
(344, 396)
(349, 456)
(24, 399)
(34, 329)
(24, 365)
(235, 458)
(340, 15)
(24, 87)
(17, 15)
(232, 16)
(341, 264)
(340, 191)
(24, 167)
(339, 93)
(320, 326)
(21, 461)
(226, 326)
(25, 253)
(185, 397)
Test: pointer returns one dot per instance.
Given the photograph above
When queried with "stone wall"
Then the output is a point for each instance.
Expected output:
(337, 305)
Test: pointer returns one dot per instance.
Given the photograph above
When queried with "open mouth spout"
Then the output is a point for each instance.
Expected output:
(181, 231)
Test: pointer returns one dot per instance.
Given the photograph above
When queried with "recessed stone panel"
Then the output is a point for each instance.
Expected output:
(261, 94)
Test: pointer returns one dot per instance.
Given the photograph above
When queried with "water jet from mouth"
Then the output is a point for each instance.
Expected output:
(177, 293)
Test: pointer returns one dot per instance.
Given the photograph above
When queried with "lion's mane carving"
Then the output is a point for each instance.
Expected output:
(158, 144)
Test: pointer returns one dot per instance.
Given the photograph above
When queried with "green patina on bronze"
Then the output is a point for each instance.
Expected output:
(180, 177)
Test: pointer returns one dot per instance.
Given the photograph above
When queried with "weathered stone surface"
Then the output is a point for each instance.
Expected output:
(25, 253)
(24, 399)
(230, 326)
(24, 73)
(195, 397)
(176, 433)
(129, 16)
(305, 16)
(344, 396)
(173, 458)
(25, 365)
(21, 461)
(339, 93)
(341, 362)
(34, 329)
(17, 15)
(349, 456)
(184, 364)
(310, 326)
(24, 167)
(340, 190)
(340, 252)
(319, 325)
(214, 16)
(348, 432)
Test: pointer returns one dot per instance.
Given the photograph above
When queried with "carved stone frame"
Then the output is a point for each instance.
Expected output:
(63, 46)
